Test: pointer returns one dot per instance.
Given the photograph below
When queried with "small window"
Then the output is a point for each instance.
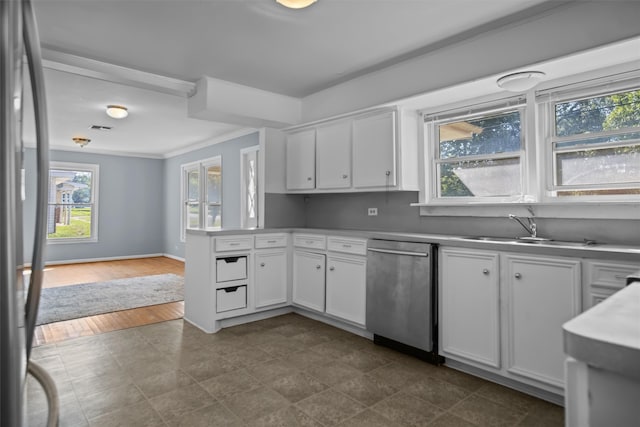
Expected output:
(249, 201)
(596, 145)
(73, 201)
(479, 156)
(202, 195)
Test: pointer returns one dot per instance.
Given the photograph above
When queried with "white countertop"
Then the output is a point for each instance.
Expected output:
(600, 251)
(607, 336)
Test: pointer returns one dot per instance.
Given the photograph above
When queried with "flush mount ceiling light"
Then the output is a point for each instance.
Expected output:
(81, 141)
(521, 81)
(296, 4)
(117, 111)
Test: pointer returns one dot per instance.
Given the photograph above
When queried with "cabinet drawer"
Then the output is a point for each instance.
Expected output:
(231, 298)
(347, 245)
(610, 275)
(271, 241)
(231, 268)
(310, 241)
(233, 243)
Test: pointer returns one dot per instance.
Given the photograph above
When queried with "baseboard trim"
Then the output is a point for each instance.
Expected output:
(177, 258)
(86, 260)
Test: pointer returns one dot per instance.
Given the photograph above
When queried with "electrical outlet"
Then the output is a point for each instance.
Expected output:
(372, 211)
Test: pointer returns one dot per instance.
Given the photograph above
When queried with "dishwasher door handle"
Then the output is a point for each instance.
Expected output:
(395, 252)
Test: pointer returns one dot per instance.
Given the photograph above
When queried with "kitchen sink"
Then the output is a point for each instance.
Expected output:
(530, 241)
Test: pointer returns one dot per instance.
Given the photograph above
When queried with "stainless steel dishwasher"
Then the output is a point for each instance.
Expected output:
(401, 299)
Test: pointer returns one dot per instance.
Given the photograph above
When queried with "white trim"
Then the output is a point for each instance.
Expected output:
(209, 142)
(177, 258)
(95, 208)
(100, 259)
(86, 67)
(200, 166)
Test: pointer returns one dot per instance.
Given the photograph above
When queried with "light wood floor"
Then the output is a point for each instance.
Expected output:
(73, 274)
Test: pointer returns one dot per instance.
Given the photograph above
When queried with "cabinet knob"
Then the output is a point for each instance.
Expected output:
(485, 271)
(331, 268)
(518, 275)
(262, 264)
(318, 267)
(308, 178)
(345, 176)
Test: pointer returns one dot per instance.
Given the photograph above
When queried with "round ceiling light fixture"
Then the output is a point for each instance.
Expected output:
(296, 4)
(81, 141)
(117, 111)
(521, 81)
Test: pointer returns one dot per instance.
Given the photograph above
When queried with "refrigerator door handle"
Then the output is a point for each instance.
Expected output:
(36, 74)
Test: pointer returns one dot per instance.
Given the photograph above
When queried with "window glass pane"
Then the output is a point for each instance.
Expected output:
(487, 135)
(251, 189)
(605, 166)
(597, 114)
(193, 215)
(214, 216)
(193, 185)
(598, 140)
(483, 178)
(69, 221)
(214, 184)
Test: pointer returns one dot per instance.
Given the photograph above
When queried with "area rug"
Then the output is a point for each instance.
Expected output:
(88, 299)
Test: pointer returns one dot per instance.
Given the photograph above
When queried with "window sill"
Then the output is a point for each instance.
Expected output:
(576, 210)
(70, 241)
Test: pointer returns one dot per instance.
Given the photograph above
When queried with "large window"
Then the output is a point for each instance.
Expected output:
(202, 195)
(478, 155)
(73, 202)
(596, 145)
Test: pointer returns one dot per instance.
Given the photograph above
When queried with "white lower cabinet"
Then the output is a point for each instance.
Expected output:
(270, 277)
(504, 312)
(346, 288)
(542, 294)
(309, 280)
(469, 290)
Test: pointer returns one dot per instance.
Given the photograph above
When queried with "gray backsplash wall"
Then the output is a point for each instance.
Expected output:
(284, 210)
(349, 211)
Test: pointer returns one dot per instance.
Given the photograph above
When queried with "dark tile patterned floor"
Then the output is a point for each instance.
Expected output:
(284, 371)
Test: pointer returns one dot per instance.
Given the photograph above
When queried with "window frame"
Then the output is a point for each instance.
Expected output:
(430, 143)
(547, 101)
(95, 177)
(203, 203)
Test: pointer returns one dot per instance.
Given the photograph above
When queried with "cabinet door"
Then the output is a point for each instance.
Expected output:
(542, 294)
(270, 278)
(374, 151)
(301, 161)
(308, 280)
(333, 155)
(346, 288)
(469, 307)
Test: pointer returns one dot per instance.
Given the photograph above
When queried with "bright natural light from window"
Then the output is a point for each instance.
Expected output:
(71, 212)
(596, 145)
(480, 157)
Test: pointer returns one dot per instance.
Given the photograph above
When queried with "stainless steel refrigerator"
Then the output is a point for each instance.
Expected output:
(20, 292)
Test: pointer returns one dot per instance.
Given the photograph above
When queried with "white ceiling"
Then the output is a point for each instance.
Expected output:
(257, 43)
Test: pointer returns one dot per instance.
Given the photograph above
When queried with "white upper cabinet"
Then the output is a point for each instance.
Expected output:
(374, 151)
(301, 160)
(333, 155)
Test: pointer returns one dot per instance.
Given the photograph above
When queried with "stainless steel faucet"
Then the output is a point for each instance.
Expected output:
(530, 225)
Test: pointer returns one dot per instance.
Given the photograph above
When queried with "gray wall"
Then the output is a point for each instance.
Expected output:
(230, 152)
(349, 211)
(130, 211)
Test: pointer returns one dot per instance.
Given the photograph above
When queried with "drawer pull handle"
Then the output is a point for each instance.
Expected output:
(518, 275)
(262, 264)
(331, 268)
(271, 241)
(346, 246)
(234, 244)
(485, 271)
(231, 260)
(231, 290)
(309, 242)
(620, 276)
(318, 267)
